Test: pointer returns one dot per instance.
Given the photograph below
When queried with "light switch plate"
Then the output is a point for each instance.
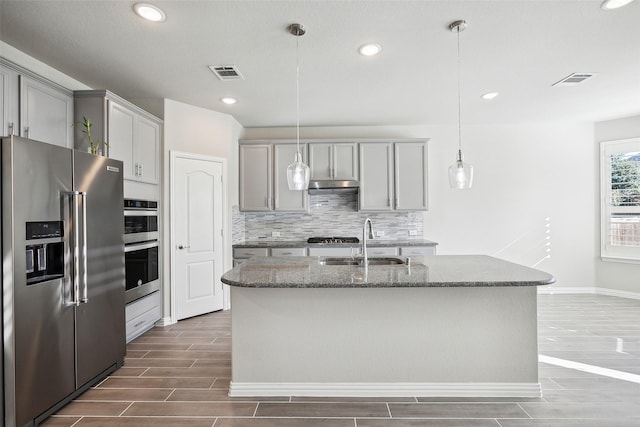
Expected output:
(275, 234)
(413, 232)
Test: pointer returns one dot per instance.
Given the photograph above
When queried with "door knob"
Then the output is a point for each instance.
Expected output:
(183, 247)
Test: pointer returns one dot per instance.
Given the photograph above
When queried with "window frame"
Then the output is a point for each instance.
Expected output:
(608, 252)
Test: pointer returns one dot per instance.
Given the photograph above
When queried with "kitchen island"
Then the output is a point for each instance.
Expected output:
(439, 326)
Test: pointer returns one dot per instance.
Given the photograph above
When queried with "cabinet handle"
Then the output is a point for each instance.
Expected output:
(397, 198)
(388, 201)
(135, 173)
(27, 132)
(10, 128)
(266, 201)
(183, 247)
(141, 170)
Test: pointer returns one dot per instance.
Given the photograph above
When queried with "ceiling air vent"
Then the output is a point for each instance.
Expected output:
(574, 79)
(226, 72)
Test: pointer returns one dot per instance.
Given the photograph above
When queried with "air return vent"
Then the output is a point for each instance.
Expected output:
(574, 79)
(226, 72)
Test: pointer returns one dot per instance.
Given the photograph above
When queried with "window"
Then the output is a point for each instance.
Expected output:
(620, 200)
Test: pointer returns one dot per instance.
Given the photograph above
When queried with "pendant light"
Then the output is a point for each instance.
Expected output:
(297, 172)
(460, 173)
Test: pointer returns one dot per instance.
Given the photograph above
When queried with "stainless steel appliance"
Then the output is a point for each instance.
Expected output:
(333, 240)
(141, 265)
(63, 276)
(140, 220)
(141, 248)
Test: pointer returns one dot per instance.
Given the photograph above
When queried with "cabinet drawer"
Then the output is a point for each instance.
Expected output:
(141, 315)
(288, 251)
(382, 251)
(417, 250)
(250, 252)
(331, 251)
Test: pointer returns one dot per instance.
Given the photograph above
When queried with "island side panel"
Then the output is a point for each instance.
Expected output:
(470, 335)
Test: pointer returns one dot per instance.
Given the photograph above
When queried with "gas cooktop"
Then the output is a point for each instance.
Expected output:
(333, 240)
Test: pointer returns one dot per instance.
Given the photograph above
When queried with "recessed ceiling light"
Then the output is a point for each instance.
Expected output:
(370, 49)
(228, 100)
(614, 4)
(149, 12)
(490, 95)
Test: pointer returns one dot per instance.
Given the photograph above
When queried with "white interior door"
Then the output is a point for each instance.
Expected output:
(197, 245)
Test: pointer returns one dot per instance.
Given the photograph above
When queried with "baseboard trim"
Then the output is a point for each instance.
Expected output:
(547, 290)
(244, 389)
(165, 321)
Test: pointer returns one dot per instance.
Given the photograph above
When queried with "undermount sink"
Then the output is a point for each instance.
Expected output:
(360, 261)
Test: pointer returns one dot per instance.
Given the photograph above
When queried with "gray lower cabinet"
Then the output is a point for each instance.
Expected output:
(142, 314)
(35, 108)
(417, 250)
(288, 251)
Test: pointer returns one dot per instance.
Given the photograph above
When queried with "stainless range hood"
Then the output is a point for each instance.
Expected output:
(333, 186)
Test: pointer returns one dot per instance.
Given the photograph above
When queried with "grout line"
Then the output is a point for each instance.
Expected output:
(606, 372)
(256, 410)
(169, 395)
(355, 422)
(523, 410)
(496, 420)
(125, 409)
(388, 409)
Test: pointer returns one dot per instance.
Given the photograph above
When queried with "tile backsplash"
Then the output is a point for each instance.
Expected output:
(330, 214)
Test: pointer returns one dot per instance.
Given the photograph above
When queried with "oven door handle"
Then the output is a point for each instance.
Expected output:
(140, 213)
(140, 246)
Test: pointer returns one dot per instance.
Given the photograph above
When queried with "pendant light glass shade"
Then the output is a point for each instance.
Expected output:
(460, 173)
(298, 172)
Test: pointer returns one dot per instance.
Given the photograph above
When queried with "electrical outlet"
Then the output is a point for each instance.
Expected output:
(379, 233)
(275, 234)
(413, 232)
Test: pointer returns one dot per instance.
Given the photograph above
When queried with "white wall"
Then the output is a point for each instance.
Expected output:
(529, 179)
(197, 130)
(615, 275)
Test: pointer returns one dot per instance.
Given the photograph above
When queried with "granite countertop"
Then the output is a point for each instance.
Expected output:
(428, 271)
(371, 243)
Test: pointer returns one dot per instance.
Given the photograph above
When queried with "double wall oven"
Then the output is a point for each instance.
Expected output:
(141, 248)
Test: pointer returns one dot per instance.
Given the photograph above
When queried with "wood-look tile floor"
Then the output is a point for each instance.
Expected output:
(179, 376)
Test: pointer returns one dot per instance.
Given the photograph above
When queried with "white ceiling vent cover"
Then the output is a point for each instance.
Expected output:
(574, 79)
(226, 72)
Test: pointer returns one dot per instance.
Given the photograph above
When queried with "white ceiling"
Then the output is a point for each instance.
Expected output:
(519, 48)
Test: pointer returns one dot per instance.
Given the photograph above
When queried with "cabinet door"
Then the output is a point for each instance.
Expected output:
(8, 102)
(411, 176)
(345, 161)
(146, 151)
(46, 113)
(285, 199)
(255, 178)
(376, 176)
(121, 136)
(320, 161)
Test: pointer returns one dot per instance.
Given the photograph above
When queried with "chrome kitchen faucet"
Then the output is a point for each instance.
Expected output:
(365, 259)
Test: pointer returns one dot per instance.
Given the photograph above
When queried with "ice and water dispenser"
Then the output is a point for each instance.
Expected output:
(44, 260)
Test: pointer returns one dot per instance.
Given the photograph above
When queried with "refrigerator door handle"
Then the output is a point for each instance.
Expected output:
(85, 291)
(75, 250)
(79, 251)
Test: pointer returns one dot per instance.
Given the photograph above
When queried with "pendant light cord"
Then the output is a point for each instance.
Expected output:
(459, 109)
(298, 92)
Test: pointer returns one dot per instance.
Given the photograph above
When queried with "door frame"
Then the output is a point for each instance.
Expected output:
(174, 156)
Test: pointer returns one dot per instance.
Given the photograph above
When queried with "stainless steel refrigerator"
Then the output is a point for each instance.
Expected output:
(63, 277)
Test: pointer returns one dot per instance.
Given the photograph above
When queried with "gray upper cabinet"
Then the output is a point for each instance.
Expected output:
(133, 135)
(333, 161)
(393, 176)
(263, 178)
(255, 178)
(9, 108)
(285, 199)
(410, 176)
(376, 177)
(34, 107)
